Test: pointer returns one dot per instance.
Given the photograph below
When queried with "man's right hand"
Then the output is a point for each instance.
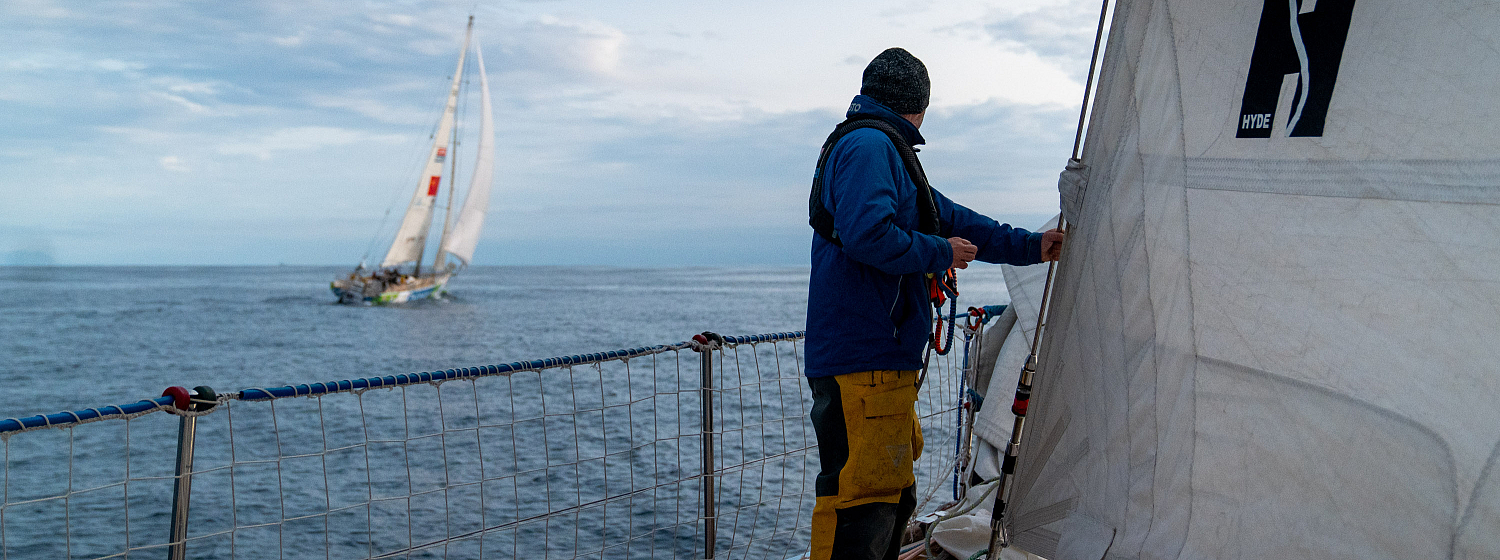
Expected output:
(963, 252)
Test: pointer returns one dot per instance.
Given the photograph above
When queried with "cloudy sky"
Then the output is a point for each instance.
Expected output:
(630, 133)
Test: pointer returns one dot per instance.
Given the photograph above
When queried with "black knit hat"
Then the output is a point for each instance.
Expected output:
(897, 80)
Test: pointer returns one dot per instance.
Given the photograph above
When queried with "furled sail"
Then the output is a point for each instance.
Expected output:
(1274, 332)
(411, 238)
(465, 235)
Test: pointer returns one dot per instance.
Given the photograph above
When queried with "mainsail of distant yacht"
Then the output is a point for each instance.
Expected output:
(400, 276)
(1275, 331)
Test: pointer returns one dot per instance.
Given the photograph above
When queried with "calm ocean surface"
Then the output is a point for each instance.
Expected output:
(77, 337)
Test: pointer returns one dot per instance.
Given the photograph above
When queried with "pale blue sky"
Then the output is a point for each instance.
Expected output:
(630, 133)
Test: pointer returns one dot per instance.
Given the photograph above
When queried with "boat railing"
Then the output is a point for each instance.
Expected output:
(697, 449)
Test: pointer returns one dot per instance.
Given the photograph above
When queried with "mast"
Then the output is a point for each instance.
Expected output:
(437, 262)
(411, 239)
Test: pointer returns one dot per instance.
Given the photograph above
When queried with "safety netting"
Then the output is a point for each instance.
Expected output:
(588, 456)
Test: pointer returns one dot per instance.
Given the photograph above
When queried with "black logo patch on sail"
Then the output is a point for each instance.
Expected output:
(1306, 43)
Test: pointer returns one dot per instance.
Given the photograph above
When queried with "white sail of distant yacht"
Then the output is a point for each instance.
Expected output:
(464, 237)
(1275, 330)
(400, 276)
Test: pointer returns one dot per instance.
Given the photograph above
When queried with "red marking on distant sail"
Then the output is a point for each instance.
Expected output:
(432, 186)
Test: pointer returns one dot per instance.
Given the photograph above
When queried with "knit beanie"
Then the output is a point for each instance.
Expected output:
(897, 80)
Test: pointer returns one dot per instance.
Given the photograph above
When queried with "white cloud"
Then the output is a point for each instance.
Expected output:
(402, 20)
(113, 65)
(173, 163)
(180, 86)
(36, 9)
(300, 139)
(373, 105)
(180, 101)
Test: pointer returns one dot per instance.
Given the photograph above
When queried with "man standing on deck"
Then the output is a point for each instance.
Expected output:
(880, 230)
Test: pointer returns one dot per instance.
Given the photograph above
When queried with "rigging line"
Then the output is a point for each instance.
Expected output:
(1088, 86)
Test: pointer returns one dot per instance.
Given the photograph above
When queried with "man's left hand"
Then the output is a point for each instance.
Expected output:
(1052, 243)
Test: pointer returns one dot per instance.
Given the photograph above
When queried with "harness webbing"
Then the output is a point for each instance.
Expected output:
(821, 218)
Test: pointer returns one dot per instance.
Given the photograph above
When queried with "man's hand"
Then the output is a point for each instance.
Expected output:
(1052, 243)
(963, 251)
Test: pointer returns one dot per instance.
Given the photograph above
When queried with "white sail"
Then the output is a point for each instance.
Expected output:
(1274, 341)
(465, 235)
(411, 238)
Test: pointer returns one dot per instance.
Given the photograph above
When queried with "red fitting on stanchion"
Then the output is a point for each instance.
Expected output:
(700, 339)
(181, 397)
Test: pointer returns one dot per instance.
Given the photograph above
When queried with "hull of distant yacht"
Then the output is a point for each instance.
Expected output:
(368, 290)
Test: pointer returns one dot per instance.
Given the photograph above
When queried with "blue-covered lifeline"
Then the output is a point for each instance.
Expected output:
(867, 305)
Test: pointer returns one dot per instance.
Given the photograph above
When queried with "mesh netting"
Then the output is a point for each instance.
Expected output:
(598, 456)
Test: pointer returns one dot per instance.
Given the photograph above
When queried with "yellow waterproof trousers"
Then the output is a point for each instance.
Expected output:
(868, 437)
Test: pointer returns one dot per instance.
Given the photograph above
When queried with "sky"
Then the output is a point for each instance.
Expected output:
(641, 133)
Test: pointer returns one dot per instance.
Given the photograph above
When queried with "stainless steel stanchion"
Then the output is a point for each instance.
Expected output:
(200, 398)
(182, 493)
(707, 342)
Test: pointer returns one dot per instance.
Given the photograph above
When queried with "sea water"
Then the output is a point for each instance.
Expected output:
(79, 337)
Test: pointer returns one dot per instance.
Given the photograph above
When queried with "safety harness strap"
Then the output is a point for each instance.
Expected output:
(821, 218)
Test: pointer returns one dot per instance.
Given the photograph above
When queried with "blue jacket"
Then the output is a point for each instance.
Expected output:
(867, 306)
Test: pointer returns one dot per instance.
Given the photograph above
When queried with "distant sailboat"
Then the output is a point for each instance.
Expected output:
(400, 276)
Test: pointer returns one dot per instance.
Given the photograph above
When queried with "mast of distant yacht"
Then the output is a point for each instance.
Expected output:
(437, 261)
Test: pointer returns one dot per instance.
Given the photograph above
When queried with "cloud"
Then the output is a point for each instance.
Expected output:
(173, 163)
(373, 104)
(112, 65)
(179, 101)
(299, 139)
(180, 86)
(564, 47)
(695, 121)
(36, 9)
(1062, 31)
(402, 20)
